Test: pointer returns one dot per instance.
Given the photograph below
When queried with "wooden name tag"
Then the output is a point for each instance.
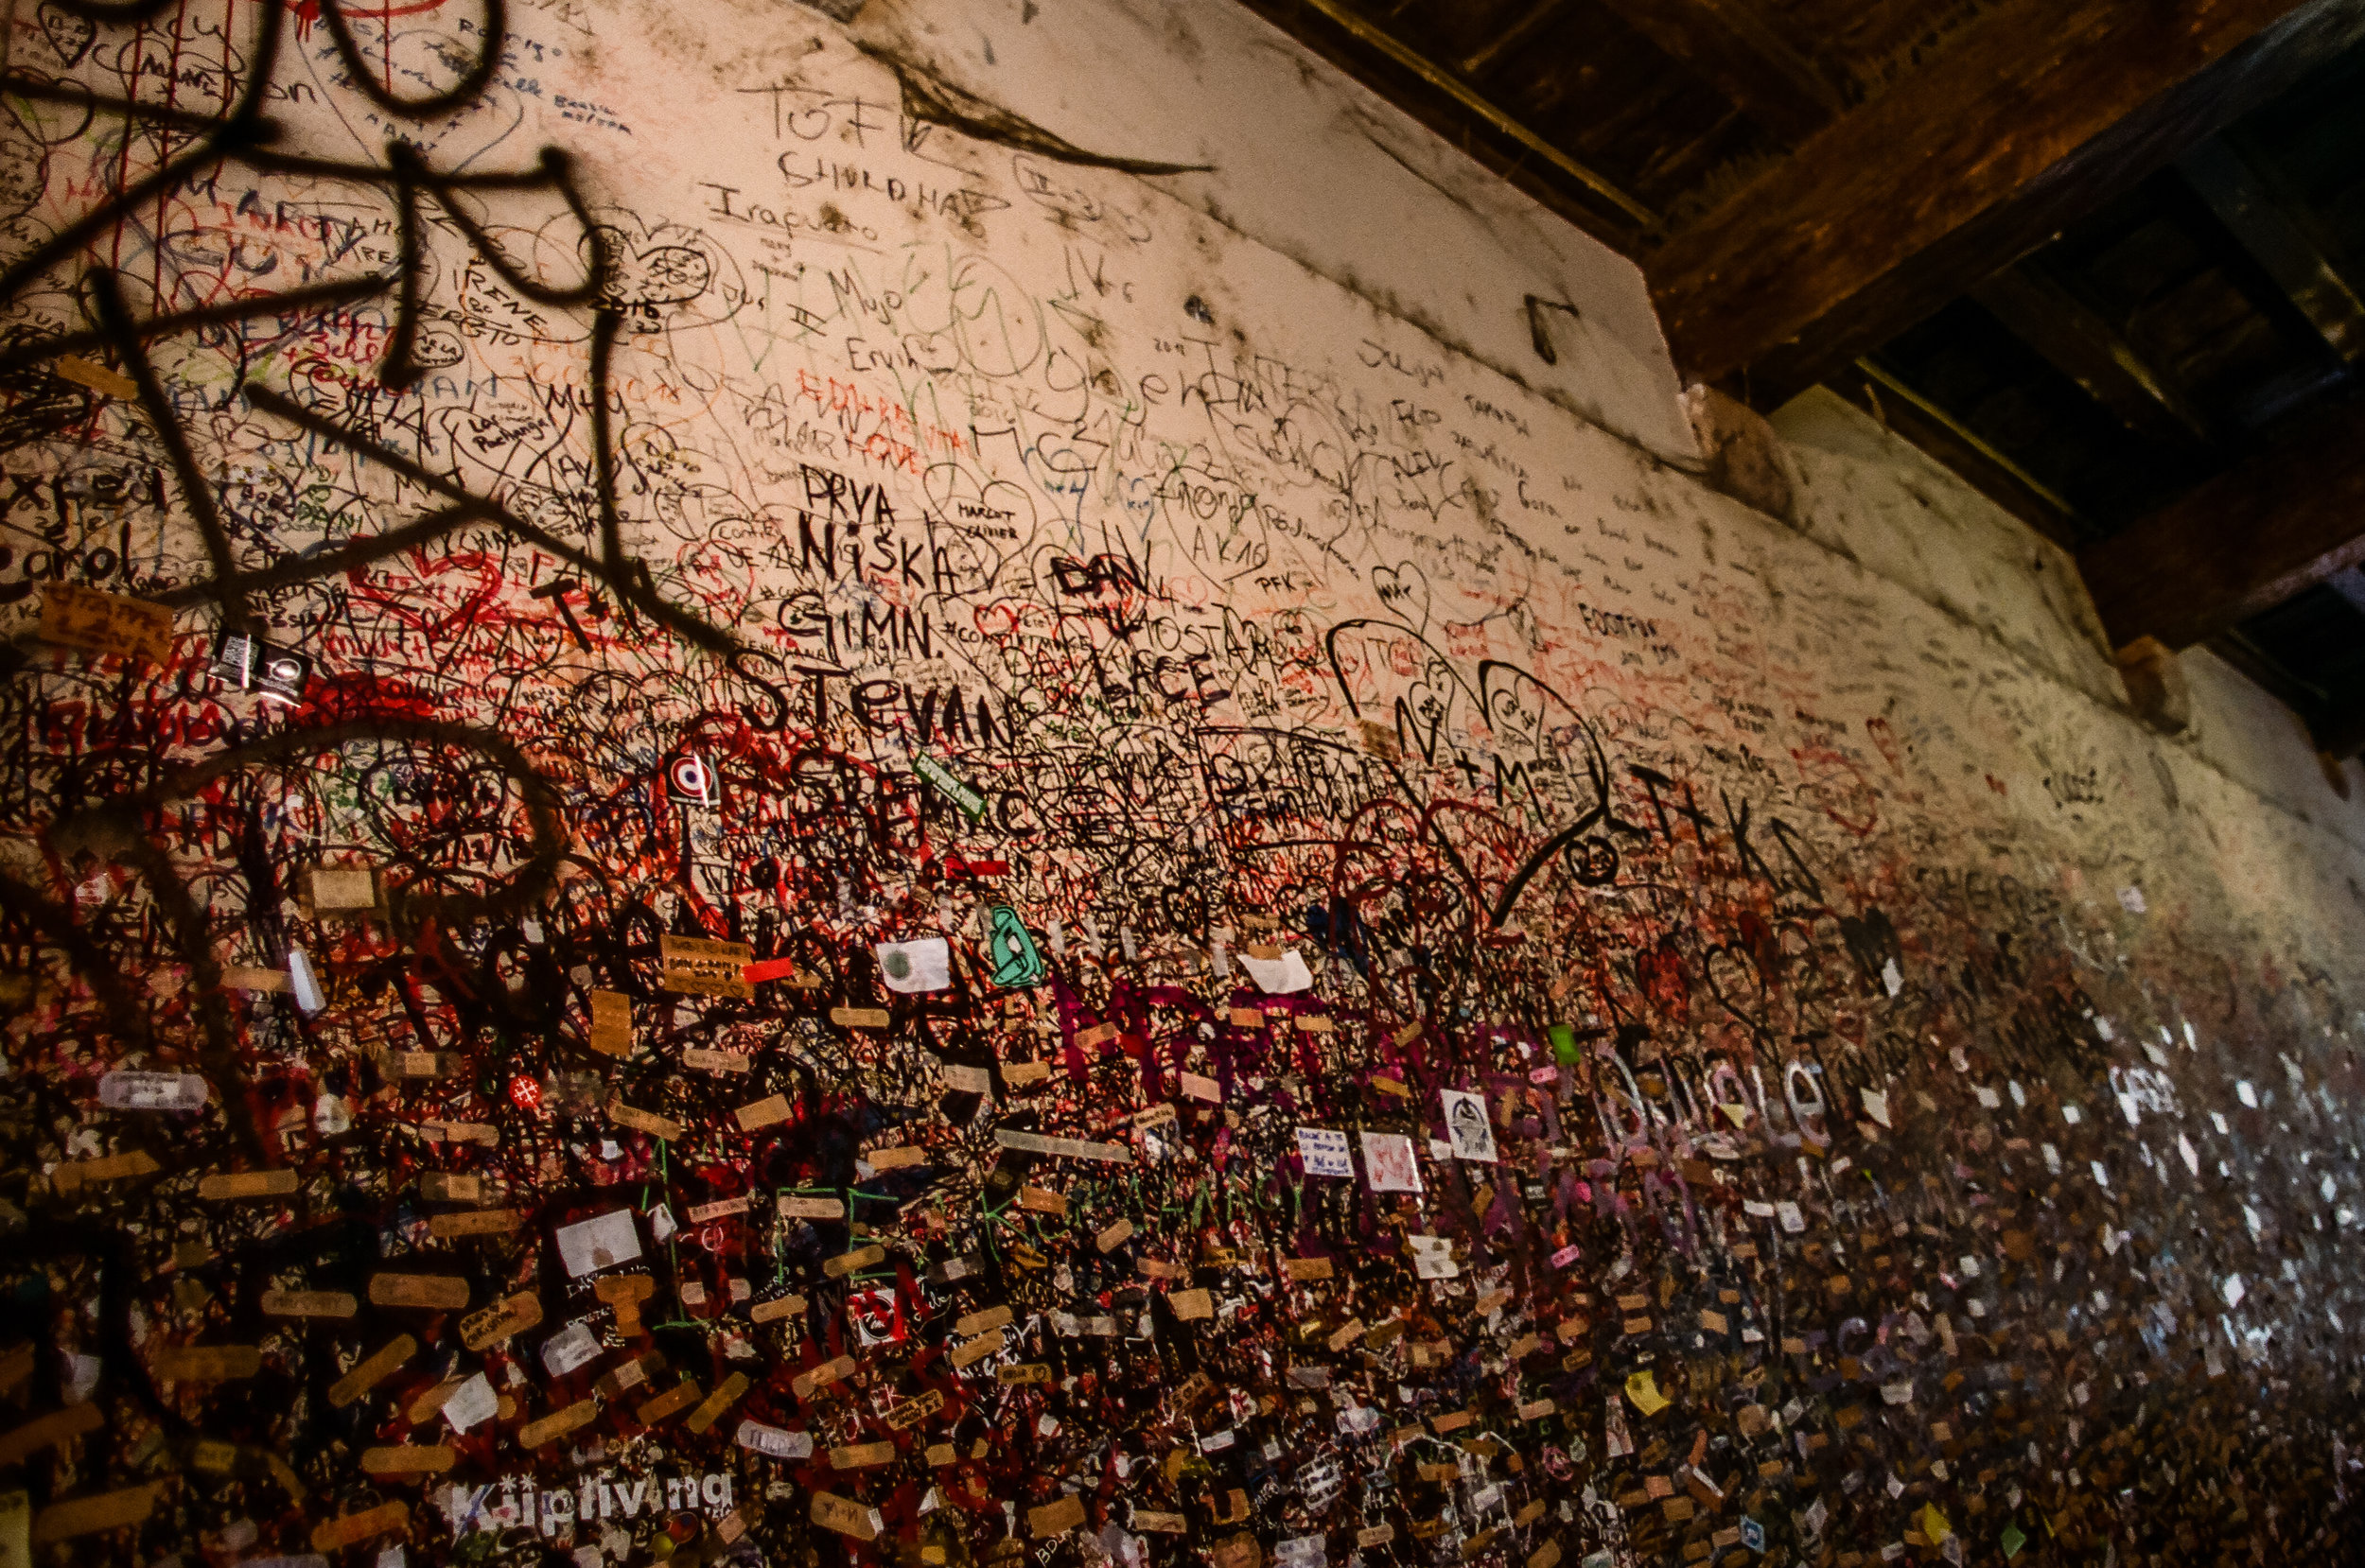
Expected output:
(812, 1208)
(58, 1427)
(109, 1510)
(611, 1023)
(984, 1318)
(224, 1186)
(387, 1360)
(482, 1222)
(911, 1412)
(501, 1321)
(696, 966)
(557, 1424)
(847, 1262)
(846, 1516)
(765, 1113)
(451, 1186)
(822, 1376)
(674, 1400)
(435, 1292)
(207, 1363)
(973, 1351)
(95, 622)
(725, 1394)
(408, 1459)
(1053, 1517)
(645, 1121)
(332, 1535)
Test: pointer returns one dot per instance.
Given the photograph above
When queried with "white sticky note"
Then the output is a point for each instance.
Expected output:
(128, 1089)
(1390, 1164)
(600, 1242)
(471, 1404)
(569, 1348)
(307, 990)
(1279, 976)
(924, 963)
(1432, 1257)
(1324, 1152)
(1467, 1126)
(774, 1441)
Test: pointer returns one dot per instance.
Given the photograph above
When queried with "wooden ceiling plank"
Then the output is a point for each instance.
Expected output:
(2286, 519)
(1738, 50)
(1905, 414)
(2030, 118)
(1478, 63)
(1371, 36)
(2077, 341)
(2278, 240)
(2349, 583)
(2339, 735)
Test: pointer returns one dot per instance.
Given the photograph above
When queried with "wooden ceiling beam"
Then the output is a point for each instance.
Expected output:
(2029, 118)
(1735, 47)
(1464, 103)
(2286, 519)
(1479, 61)
(2090, 351)
(2278, 239)
(1906, 413)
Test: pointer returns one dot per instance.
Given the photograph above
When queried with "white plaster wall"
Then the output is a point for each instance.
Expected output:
(1873, 498)
(1314, 586)
(1306, 162)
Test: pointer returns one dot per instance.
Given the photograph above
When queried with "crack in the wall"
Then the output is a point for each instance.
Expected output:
(930, 98)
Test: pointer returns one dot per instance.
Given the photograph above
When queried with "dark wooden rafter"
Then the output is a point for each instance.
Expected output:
(2286, 519)
(1735, 47)
(2280, 240)
(2339, 727)
(1906, 413)
(1453, 107)
(2031, 116)
(2090, 351)
(1481, 59)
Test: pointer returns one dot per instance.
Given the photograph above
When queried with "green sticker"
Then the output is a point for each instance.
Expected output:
(1015, 961)
(1563, 1040)
(951, 788)
(2013, 1540)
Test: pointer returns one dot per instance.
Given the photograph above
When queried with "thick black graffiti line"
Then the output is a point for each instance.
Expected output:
(118, 830)
(239, 138)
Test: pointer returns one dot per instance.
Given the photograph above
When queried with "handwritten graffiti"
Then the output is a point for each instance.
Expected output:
(768, 838)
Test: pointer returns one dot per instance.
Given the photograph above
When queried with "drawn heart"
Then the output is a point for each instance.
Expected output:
(1457, 724)
(1403, 593)
(69, 35)
(664, 274)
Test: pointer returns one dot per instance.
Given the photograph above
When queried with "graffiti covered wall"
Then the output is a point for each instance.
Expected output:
(761, 813)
